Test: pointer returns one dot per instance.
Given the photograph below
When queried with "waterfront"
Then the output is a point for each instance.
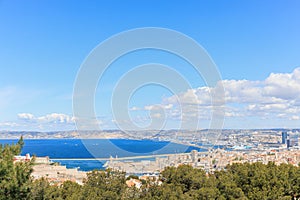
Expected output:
(75, 148)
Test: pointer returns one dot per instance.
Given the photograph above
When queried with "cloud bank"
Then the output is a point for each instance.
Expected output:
(276, 97)
(52, 122)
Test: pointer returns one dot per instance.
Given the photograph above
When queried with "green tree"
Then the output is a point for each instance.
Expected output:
(71, 191)
(15, 178)
(106, 184)
(39, 189)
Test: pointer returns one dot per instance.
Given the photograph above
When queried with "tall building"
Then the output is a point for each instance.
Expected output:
(288, 143)
(194, 155)
(284, 136)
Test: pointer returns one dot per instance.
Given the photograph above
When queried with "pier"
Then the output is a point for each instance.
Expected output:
(125, 158)
(119, 158)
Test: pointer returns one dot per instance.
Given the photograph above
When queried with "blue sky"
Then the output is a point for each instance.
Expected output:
(43, 44)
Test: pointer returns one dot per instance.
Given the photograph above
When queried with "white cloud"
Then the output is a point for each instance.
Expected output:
(49, 118)
(26, 116)
(52, 121)
(278, 95)
(8, 124)
(56, 118)
(134, 108)
(283, 86)
(295, 117)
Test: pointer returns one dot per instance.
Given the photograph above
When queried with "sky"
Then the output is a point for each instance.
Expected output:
(254, 44)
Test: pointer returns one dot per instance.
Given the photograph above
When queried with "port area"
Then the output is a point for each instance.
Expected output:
(279, 151)
(216, 159)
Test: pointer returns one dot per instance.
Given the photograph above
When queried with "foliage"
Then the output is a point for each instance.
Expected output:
(15, 178)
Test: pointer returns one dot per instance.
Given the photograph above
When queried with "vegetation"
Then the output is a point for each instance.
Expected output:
(15, 178)
(238, 181)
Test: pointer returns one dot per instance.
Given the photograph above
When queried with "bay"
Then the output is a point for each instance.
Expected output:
(99, 148)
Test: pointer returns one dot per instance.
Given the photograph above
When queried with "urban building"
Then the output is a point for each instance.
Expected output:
(284, 136)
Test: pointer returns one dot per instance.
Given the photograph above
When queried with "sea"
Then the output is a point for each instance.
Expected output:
(68, 152)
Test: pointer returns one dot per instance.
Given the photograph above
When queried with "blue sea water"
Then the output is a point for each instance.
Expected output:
(99, 148)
